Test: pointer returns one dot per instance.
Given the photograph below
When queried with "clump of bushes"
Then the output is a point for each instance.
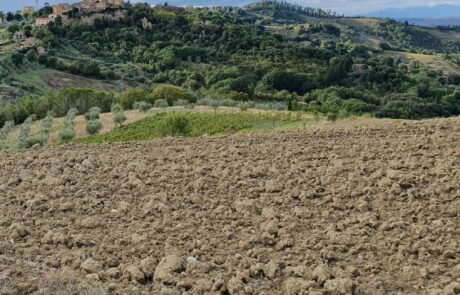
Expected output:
(24, 131)
(332, 117)
(93, 125)
(171, 94)
(6, 129)
(68, 130)
(142, 106)
(181, 102)
(176, 125)
(161, 103)
(94, 113)
(243, 106)
(130, 96)
(118, 114)
(42, 137)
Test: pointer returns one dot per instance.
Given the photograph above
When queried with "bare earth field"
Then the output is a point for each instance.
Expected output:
(337, 210)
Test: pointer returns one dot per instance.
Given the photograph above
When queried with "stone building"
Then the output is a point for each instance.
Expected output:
(27, 10)
(59, 9)
(103, 4)
(118, 2)
(43, 21)
(28, 42)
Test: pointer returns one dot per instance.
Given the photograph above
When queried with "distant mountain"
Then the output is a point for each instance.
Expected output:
(433, 22)
(420, 12)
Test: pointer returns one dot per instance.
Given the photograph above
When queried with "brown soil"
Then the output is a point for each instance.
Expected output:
(337, 210)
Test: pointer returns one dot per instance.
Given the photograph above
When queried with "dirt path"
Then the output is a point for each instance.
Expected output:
(338, 210)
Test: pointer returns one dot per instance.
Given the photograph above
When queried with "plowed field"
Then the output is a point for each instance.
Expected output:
(336, 210)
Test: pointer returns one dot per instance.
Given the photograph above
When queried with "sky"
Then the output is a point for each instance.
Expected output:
(347, 7)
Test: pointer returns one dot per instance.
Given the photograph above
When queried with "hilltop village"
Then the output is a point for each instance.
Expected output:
(62, 9)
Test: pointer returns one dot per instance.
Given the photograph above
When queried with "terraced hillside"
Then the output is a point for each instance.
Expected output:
(370, 209)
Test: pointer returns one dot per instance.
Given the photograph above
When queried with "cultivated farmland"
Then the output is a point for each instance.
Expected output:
(330, 210)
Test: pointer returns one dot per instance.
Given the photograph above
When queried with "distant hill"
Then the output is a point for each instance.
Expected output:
(433, 22)
(420, 12)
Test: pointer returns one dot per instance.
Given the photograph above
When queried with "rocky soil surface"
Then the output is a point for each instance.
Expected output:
(341, 210)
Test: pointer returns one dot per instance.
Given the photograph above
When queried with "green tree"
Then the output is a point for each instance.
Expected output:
(171, 94)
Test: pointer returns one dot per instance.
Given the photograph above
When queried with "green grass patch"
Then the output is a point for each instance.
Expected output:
(195, 124)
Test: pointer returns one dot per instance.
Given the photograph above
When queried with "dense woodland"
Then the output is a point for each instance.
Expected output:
(234, 54)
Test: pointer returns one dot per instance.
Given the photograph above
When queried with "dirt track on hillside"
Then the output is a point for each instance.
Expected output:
(342, 210)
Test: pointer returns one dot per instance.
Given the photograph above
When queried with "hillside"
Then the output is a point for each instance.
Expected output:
(310, 59)
(366, 208)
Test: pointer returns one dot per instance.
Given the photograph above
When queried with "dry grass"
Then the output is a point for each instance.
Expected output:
(435, 61)
(80, 125)
(65, 282)
(58, 283)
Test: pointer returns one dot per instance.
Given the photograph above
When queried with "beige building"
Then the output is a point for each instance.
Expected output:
(41, 50)
(102, 4)
(29, 42)
(94, 5)
(59, 9)
(43, 21)
(118, 2)
(28, 10)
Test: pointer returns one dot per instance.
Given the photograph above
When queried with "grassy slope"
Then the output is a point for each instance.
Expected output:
(224, 120)
(434, 61)
(203, 124)
(39, 79)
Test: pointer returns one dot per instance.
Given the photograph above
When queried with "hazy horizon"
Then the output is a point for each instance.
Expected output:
(347, 7)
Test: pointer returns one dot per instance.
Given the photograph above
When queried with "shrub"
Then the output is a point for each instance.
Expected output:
(181, 102)
(204, 102)
(142, 106)
(190, 106)
(93, 113)
(6, 129)
(119, 118)
(243, 106)
(68, 130)
(239, 96)
(161, 103)
(67, 134)
(131, 95)
(116, 108)
(215, 104)
(72, 113)
(228, 103)
(177, 125)
(24, 132)
(93, 126)
(279, 106)
(47, 123)
(332, 117)
(40, 138)
(171, 94)
(263, 106)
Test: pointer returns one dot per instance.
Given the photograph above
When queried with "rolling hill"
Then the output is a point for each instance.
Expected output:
(309, 58)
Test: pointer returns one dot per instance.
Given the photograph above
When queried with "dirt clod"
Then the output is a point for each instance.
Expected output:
(91, 266)
(168, 269)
